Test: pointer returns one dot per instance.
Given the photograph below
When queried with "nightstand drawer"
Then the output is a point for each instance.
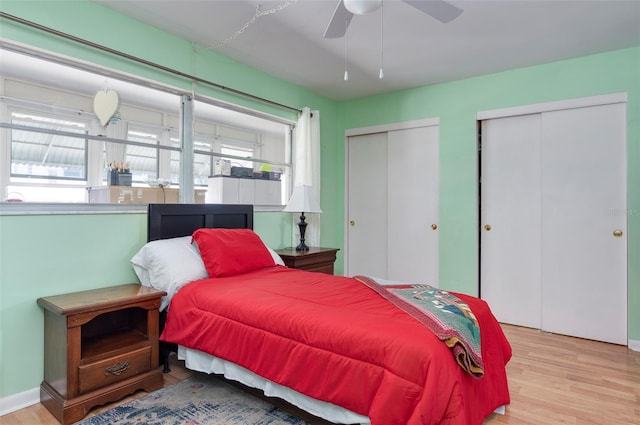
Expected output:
(319, 268)
(114, 369)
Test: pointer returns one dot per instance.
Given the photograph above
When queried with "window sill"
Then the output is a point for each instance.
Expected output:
(51, 208)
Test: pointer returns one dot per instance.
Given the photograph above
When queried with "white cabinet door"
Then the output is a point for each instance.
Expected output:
(510, 219)
(267, 192)
(367, 205)
(584, 273)
(223, 190)
(246, 191)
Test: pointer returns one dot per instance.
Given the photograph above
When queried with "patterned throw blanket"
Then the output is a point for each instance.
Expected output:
(448, 317)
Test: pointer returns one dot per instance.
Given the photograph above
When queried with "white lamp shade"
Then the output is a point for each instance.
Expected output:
(360, 7)
(303, 199)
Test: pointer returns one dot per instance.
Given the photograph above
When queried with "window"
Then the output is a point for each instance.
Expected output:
(238, 152)
(47, 155)
(56, 150)
(202, 163)
(143, 160)
(47, 162)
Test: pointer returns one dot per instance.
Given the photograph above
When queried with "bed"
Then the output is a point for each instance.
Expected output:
(328, 344)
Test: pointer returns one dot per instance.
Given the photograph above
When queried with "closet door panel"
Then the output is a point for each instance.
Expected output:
(510, 219)
(367, 205)
(584, 199)
(413, 205)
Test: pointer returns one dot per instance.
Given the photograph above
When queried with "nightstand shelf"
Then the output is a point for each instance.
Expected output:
(100, 346)
(317, 259)
(111, 344)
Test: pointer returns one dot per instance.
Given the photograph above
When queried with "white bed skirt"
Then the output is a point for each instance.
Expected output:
(203, 362)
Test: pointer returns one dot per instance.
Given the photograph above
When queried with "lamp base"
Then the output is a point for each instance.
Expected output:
(302, 225)
(302, 247)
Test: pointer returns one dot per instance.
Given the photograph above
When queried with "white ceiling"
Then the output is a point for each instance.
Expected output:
(490, 36)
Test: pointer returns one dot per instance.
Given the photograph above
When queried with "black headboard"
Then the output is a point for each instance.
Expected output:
(173, 220)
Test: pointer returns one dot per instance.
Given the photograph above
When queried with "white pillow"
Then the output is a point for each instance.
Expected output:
(168, 264)
(276, 258)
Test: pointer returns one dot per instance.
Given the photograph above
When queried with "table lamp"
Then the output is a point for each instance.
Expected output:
(302, 200)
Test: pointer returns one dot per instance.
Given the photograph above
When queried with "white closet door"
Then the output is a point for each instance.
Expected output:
(413, 205)
(510, 219)
(584, 275)
(392, 204)
(367, 205)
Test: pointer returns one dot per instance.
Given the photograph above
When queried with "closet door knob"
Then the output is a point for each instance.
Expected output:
(487, 227)
(352, 223)
(434, 226)
(617, 233)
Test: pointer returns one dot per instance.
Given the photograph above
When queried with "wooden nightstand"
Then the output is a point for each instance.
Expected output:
(314, 260)
(99, 346)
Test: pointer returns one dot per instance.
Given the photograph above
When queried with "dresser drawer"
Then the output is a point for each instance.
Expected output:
(114, 369)
(320, 268)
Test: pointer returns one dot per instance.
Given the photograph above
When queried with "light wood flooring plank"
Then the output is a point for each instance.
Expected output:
(556, 379)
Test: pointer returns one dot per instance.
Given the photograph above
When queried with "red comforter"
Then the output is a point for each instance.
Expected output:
(336, 340)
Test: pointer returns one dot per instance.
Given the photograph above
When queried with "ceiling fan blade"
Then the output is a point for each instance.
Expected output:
(439, 9)
(339, 22)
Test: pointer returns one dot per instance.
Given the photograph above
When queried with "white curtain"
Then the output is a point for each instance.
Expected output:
(307, 170)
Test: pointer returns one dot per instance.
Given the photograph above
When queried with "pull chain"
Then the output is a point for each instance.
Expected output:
(346, 73)
(381, 73)
(258, 13)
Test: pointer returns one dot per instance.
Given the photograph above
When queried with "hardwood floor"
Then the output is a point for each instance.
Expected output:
(553, 379)
(556, 379)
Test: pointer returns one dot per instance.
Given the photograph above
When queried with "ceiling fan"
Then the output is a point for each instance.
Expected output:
(438, 9)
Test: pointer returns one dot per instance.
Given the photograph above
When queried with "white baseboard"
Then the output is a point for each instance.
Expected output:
(634, 345)
(19, 401)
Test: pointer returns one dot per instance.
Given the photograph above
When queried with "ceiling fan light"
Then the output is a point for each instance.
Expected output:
(360, 7)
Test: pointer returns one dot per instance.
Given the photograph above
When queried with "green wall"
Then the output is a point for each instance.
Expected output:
(42, 255)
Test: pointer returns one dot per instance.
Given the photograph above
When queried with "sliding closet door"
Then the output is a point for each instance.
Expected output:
(367, 205)
(553, 217)
(510, 219)
(584, 249)
(412, 175)
(392, 205)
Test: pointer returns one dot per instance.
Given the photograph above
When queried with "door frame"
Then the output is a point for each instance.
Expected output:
(362, 131)
(535, 108)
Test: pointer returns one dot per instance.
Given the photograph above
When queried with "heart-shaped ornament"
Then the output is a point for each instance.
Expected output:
(105, 105)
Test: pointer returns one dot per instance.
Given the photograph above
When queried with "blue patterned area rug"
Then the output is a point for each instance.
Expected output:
(198, 400)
